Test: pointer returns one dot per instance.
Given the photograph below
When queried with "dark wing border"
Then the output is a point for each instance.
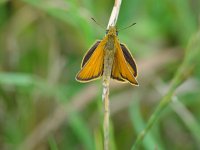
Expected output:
(129, 58)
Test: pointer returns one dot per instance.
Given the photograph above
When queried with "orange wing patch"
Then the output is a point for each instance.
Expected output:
(89, 53)
(93, 67)
(116, 72)
(121, 67)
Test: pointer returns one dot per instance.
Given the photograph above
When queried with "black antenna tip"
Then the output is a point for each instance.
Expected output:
(93, 19)
(133, 23)
(96, 22)
(128, 26)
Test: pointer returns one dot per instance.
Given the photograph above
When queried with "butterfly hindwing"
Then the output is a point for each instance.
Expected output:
(92, 66)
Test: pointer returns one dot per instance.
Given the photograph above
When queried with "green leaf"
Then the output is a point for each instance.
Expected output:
(150, 141)
(82, 131)
(18, 79)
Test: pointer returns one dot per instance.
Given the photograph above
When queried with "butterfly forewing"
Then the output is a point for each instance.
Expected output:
(92, 66)
(129, 58)
(89, 53)
(124, 68)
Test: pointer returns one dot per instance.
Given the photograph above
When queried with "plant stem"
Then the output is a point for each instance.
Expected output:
(106, 115)
(114, 14)
(106, 80)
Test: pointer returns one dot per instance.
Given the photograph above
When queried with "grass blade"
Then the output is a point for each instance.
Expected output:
(185, 70)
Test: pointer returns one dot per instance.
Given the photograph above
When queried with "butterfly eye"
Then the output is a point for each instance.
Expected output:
(106, 31)
(117, 33)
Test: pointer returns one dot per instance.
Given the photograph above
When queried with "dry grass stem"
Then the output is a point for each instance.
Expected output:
(106, 80)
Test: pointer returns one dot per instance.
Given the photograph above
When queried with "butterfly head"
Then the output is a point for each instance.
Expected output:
(112, 31)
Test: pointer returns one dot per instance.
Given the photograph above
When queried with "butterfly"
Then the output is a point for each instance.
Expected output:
(110, 59)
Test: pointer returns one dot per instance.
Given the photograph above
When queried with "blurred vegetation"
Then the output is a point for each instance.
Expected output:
(42, 43)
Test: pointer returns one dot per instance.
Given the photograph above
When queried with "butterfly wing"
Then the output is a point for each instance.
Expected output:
(129, 59)
(89, 53)
(92, 64)
(116, 72)
(122, 69)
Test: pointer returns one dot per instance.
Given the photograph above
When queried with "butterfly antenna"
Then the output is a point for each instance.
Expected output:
(127, 27)
(97, 23)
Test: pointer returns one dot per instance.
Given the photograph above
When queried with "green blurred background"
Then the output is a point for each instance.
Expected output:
(42, 107)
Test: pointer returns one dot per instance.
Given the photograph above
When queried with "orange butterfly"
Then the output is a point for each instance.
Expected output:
(110, 59)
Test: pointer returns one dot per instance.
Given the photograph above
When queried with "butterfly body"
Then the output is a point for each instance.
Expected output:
(110, 59)
(109, 52)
